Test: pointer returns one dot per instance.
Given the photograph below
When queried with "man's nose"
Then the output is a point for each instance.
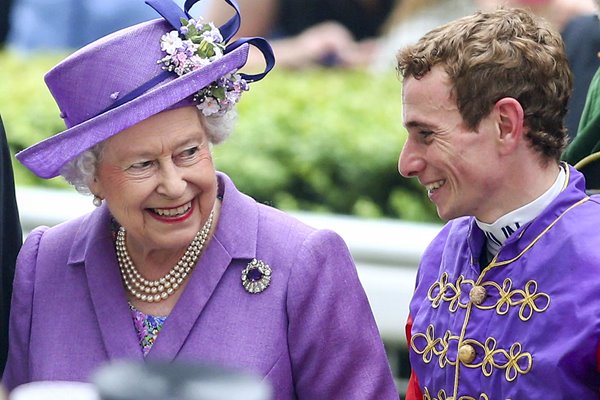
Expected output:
(411, 162)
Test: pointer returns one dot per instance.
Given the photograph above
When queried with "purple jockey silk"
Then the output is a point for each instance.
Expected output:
(536, 333)
(311, 333)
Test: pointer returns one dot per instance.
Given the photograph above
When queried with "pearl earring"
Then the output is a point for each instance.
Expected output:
(97, 201)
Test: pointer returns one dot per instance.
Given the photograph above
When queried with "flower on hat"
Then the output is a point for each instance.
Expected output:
(194, 46)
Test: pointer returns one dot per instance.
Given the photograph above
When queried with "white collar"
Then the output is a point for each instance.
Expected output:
(500, 230)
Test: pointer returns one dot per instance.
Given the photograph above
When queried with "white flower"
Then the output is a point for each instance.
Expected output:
(170, 42)
(198, 62)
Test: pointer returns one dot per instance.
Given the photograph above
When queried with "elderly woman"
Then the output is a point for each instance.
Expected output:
(176, 263)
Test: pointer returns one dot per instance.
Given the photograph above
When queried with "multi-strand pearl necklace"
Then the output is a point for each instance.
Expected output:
(160, 289)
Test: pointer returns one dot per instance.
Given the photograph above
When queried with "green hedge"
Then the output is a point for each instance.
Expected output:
(322, 140)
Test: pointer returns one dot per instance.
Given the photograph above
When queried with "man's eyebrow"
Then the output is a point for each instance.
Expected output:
(418, 124)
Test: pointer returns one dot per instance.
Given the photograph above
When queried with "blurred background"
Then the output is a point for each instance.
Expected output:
(319, 137)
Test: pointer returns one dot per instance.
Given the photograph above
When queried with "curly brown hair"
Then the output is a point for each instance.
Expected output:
(503, 53)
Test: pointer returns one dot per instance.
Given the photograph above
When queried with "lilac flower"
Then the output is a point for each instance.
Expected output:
(198, 45)
(189, 47)
(209, 106)
(214, 34)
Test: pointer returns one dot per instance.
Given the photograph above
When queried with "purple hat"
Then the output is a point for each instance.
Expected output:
(123, 78)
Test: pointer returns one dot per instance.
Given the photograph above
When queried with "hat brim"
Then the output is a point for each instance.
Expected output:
(46, 158)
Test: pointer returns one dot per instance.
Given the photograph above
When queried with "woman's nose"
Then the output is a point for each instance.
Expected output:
(411, 162)
(172, 182)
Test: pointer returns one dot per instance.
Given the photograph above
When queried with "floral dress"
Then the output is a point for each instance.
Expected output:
(147, 327)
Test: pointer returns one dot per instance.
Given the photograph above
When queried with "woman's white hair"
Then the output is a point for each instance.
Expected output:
(80, 171)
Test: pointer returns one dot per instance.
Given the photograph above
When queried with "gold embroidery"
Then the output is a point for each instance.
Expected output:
(527, 299)
(513, 361)
(441, 395)
(444, 291)
(438, 347)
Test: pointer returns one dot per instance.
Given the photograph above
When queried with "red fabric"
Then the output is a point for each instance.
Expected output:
(413, 392)
(598, 358)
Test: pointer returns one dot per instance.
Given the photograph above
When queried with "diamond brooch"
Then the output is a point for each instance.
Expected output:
(256, 277)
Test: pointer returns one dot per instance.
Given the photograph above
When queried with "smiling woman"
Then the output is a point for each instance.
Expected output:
(176, 264)
(160, 184)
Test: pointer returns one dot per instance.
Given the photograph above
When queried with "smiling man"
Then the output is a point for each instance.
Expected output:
(498, 310)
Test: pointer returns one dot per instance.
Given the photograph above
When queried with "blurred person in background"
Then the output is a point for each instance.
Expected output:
(305, 33)
(78, 23)
(576, 20)
(176, 264)
(498, 309)
(10, 240)
(410, 20)
(583, 149)
(582, 43)
(5, 8)
(573, 18)
(558, 12)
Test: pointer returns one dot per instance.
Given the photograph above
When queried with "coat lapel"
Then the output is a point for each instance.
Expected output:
(228, 242)
(94, 248)
(203, 282)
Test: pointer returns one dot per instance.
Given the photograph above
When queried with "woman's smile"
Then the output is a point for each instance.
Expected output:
(173, 214)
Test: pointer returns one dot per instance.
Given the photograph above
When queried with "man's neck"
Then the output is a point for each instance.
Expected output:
(521, 185)
(501, 229)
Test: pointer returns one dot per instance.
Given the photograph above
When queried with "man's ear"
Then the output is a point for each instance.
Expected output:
(510, 123)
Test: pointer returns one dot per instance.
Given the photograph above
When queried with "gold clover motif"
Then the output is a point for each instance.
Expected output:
(529, 300)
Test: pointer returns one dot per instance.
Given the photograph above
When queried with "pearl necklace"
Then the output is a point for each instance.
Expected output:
(160, 289)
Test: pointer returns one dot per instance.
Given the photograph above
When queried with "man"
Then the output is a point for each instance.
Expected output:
(506, 301)
(10, 240)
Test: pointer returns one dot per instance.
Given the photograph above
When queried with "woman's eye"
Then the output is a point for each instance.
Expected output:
(188, 156)
(141, 165)
(187, 153)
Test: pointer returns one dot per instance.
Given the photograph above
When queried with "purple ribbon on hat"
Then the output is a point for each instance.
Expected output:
(173, 14)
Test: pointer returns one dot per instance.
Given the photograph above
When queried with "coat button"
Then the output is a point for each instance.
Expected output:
(466, 353)
(477, 294)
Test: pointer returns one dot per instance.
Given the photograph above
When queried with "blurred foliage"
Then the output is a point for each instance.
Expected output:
(322, 140)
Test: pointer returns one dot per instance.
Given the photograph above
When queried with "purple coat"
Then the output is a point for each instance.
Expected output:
(526, 326)
(311, 333)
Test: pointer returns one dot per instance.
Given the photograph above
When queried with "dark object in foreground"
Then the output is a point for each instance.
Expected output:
(177, 381)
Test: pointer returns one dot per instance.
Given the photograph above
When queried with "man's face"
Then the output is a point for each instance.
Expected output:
(459, 167)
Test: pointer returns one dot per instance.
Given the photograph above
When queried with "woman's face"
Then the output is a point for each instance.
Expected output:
(158, 180)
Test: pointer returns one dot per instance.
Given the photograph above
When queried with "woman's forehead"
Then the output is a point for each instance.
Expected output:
(156, 136)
